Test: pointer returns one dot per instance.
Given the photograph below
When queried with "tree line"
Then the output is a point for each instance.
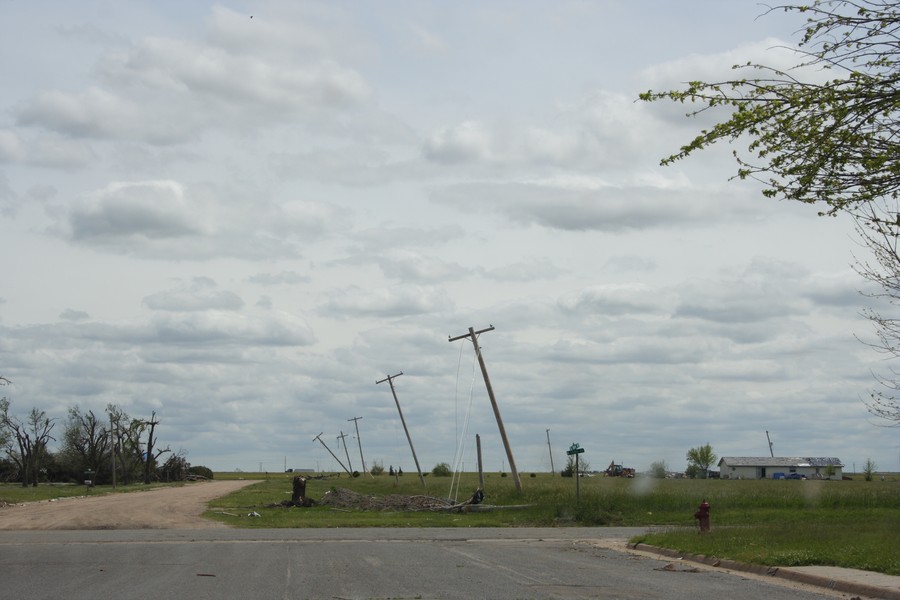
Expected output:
(107, 448)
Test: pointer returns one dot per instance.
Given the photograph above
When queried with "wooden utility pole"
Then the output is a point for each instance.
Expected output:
(390, 380)
(319, 437)
(341, 439)
(359, 441)
(550, 448)
(473, 336)
(112, 447)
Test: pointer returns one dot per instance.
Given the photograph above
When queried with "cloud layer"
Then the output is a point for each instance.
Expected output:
(242, 224)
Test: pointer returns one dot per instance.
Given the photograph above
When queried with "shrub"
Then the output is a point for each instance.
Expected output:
(377, 469)
(569, 471)
(441, 470)
(696, 472)
(200, 471)
(869, 469)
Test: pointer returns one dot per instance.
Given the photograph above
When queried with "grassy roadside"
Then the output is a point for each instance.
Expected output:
(852, 524)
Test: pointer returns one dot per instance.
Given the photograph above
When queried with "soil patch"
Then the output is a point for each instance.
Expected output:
(159, 508)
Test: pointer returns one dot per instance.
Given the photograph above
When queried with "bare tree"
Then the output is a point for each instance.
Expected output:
(126, 442)
(151, 454)
(4, 434)
(26, 443)
(85, 443)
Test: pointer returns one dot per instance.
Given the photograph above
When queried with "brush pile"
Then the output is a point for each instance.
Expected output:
(347, 499)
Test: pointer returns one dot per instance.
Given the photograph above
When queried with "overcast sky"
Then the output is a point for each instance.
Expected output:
(240, 215)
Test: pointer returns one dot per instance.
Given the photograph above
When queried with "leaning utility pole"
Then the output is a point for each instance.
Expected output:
(341, 439)
(390, 380)
(771, 450)
(319, 437)
(473, 336)
(550, 448)
(359, 441)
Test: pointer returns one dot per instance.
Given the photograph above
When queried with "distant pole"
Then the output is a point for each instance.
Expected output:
(359, 441)
(552, 469)
(319, 438)
(771, 451)
(577, 480)
(473, 336)
(390, 380)
(112, 446)
(346, 451)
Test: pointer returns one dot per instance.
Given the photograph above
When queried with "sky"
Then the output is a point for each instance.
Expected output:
(241, 215)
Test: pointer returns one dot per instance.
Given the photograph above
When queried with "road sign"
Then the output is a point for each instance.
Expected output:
(575, 449)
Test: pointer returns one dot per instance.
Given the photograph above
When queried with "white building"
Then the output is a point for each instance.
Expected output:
(767, 467)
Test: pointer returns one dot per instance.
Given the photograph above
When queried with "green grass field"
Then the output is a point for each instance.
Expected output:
(853, 524)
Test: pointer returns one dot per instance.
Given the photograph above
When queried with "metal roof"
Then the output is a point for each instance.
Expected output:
(779, 461)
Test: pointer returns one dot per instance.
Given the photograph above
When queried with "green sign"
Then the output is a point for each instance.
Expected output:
(575, 449)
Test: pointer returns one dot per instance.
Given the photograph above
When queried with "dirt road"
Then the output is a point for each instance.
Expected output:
(160, 508)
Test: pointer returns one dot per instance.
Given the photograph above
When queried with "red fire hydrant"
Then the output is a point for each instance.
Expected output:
(702, 516)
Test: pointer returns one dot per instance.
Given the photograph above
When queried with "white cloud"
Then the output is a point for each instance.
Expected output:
(427, 40)
(188, 301)
(143, 210)
(166, 90)
(282, 278)
(164, 219)
(717, 66)
(610, 208)
(74, 315)
(614, 300)
(12, 149)
(394, 302)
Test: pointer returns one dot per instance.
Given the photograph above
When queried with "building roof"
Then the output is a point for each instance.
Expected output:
(779, 461)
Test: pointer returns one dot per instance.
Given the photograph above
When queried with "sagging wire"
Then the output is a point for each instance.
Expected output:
(460, 446)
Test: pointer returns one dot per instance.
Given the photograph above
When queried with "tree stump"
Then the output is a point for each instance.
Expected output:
(299, 492)
(298, 495)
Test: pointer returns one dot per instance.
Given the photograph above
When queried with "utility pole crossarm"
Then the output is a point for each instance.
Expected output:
(389, 378)
(465, 335)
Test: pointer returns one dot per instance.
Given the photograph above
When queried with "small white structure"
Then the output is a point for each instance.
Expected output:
(767, 467)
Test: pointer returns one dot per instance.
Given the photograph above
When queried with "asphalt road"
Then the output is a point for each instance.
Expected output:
(356, 563)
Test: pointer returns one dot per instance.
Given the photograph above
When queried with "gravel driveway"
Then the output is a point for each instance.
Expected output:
(159, 508)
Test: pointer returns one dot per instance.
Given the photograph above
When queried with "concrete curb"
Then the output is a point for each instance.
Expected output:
(838, 585)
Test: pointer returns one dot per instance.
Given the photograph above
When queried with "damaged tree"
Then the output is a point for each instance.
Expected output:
(27, 441)
(298, 494)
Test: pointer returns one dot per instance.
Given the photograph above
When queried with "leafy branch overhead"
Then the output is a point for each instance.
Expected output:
(828, 140)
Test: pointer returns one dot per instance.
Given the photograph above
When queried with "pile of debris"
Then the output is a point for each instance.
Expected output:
(344, 498)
